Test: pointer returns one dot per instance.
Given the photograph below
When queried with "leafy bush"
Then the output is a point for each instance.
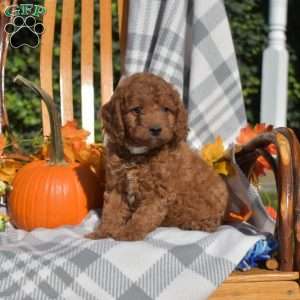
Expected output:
(248, 20)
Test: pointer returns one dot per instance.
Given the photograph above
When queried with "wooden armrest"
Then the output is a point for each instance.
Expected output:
(286, 169)
(259, 284)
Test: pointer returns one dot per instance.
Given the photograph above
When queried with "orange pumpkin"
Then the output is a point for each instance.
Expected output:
(52, 193)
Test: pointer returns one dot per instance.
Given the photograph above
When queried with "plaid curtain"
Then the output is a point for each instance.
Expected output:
(189, 44)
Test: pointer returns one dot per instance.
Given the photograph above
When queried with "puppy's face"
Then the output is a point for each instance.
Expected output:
(145, 111)
(149, 117)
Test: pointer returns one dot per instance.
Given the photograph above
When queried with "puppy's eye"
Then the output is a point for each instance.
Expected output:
(136, 110)
(166, 109)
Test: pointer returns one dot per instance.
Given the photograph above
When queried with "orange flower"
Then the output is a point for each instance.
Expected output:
(246, 135)
(272, 212)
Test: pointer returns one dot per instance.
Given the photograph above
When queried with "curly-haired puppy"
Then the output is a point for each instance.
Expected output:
(153, 177)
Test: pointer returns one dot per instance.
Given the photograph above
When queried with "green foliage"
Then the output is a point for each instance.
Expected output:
(248, 21)
(23, 107)
(248, 27)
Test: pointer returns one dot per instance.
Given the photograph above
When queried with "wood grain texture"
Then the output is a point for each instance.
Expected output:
(296, 170)
(285, 186)
(272, 264)
(65, 61)
(3, 54)
(273, 290)
(106, 51)
(46, 57)
(286, 205)
(123, 22)
(260, 275)
(87, 82)
(294, 142)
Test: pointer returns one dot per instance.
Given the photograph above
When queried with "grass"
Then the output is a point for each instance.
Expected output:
(267, 190)
(269, 198)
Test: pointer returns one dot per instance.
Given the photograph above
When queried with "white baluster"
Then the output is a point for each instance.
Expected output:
(275, 68)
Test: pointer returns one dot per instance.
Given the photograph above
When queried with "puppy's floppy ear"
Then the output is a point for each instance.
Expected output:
(181, 126)
(111, 114)
(181, 123)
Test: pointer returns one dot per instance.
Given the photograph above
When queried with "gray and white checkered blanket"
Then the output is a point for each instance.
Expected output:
(189, 44)
(169, 264)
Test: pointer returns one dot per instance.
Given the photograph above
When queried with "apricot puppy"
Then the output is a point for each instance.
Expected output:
(153, 178)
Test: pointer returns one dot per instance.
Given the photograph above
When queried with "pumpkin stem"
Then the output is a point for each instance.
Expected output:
(57, 156)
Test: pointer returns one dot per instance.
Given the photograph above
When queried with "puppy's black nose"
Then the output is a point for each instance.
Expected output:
(155, 130)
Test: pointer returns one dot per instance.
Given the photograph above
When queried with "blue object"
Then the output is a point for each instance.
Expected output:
(259, 253)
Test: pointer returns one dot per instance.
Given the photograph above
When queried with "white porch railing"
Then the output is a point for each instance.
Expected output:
(275, 67)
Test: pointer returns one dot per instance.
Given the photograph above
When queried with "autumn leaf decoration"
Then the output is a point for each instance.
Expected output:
(213, 155)
(246, 135)
(9, 165)
(76, 149)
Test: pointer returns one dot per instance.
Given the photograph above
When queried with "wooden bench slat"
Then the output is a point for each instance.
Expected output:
(46, 57)
(106, 51)
(261, 275)
(279, 290)
(123, 19)
(3, 54)
(87, 86)
(65, 63)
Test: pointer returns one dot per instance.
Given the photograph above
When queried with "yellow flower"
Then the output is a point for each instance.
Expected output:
(222, 167)
(4, 218)
(213, 154)
(3, 188)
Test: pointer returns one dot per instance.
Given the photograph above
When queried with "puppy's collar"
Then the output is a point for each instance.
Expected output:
(137, 150)
(131, 149)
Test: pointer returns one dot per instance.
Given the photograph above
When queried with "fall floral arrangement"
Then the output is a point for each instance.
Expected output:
(218, 157)
(214, 153)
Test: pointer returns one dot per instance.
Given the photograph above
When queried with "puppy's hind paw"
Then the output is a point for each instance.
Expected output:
(94, 236)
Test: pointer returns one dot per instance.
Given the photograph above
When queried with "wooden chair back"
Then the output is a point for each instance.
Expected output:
(88, 37)
(3, 54)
